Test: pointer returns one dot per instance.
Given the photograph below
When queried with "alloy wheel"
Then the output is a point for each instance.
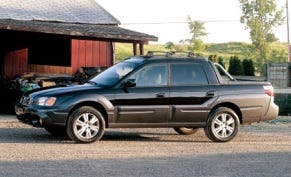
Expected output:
(223, 125)
(86, 126)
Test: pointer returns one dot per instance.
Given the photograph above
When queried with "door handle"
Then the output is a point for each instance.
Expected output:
(160, 95)
(211, 94)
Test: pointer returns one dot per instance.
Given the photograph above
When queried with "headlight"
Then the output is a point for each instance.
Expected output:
(46, 101)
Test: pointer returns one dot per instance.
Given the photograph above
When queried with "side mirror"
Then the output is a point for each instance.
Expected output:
(129, 83)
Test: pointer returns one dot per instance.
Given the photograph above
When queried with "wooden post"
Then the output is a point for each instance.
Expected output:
(141, 49)
(134, 48)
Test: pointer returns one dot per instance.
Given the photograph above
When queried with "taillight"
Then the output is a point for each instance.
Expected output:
(269, 90)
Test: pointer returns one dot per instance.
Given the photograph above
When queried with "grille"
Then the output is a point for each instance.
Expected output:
(25, 100)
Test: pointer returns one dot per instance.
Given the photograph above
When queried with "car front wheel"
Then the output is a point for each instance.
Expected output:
(222, 125)
(86, 125)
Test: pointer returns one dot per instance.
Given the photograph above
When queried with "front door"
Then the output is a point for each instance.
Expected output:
(147, 102)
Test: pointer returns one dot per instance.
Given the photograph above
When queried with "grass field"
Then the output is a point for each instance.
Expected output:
(278, 53)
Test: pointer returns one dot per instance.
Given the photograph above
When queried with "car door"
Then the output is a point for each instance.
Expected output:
(189, 93)
(147, 101)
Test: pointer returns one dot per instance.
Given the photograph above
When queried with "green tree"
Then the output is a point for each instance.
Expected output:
(248, 67)
(235, 66)
(170, 45)
(279, 55)
(197, 31)
(260, 16)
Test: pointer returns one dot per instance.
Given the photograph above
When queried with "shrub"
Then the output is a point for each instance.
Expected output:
(235, 66)
(248, 67)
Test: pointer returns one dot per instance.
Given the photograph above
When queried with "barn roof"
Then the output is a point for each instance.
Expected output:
(72, 11)
(77, 30)
(82, 18)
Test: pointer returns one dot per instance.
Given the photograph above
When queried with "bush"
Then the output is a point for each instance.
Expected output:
(248, 67)
(235, 66)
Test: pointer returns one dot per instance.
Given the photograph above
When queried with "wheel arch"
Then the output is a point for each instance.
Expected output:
(232, 106)
(93, 104)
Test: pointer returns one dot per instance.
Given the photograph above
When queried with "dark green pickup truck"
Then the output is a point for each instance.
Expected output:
(180, 92)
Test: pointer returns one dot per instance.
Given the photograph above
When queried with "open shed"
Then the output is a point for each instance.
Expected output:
(52, 36)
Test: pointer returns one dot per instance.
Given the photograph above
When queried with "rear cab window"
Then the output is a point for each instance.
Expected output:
(187, 74)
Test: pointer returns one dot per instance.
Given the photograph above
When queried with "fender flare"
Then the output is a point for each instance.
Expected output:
(105, 103)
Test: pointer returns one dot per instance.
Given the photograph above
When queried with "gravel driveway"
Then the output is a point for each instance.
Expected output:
(262, 149)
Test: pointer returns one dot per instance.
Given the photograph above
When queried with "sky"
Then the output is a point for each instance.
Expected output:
(167, 19)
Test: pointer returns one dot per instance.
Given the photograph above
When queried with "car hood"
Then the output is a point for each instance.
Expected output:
(55, 91)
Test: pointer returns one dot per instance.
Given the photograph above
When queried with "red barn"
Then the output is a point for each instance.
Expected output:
(52, 36)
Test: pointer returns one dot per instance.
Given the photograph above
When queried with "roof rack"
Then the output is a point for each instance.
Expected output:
(170, 53)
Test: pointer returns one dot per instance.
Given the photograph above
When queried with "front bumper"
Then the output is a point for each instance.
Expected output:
(40, 116)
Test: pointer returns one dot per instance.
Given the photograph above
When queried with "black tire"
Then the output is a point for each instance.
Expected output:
(185, 130)
(222, 125)
(56, 131)
(86, 125)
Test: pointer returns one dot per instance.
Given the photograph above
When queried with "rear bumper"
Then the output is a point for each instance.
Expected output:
(38, 117)
(272, 112)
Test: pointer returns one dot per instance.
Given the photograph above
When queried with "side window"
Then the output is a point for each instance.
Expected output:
(151, 76)
(188, 74)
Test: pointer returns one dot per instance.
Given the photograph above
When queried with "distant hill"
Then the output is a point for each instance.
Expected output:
(225, 50)
(279, 51)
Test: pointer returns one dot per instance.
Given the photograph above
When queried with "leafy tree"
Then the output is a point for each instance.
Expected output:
(198, 45)
(170, 45)
(197, 31)
(248, 67)
(235, 66)
(260, 16)
(279, 55)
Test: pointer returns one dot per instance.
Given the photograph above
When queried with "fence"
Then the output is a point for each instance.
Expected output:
(278, 74)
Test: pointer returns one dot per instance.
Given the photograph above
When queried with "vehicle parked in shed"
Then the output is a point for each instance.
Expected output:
(180, 92)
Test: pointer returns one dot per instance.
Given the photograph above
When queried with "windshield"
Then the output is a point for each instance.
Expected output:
(113, 74)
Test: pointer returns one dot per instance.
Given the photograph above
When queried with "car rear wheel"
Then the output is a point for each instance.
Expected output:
(185, 130)
(222, 125)
(86, 125)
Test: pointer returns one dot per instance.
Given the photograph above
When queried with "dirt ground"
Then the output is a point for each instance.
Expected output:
(261, 149)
